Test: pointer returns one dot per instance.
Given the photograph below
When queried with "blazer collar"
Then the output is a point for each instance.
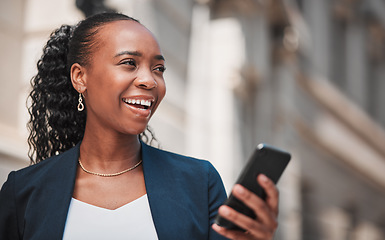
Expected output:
(156, 191)
(64, 170)
(166, 208)
(155, 177)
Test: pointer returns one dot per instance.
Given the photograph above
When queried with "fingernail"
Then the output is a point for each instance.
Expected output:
(225, 211)
(264, 178)
(239, 189)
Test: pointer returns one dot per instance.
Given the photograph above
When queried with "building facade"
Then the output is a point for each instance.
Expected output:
(304, 75)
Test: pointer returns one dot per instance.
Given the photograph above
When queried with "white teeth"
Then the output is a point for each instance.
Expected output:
(145, 103)
(138, 101)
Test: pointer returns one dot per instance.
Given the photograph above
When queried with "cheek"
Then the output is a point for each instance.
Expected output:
(161, 93)
(101, 90)
(162, 90)
(107, 80)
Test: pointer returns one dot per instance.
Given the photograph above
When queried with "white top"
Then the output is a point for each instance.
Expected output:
(131, 221)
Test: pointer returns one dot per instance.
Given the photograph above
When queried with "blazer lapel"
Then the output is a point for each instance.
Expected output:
(58, 190)
(167, 207)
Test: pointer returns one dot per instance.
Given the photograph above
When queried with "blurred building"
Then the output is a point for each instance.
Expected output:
(305, 75)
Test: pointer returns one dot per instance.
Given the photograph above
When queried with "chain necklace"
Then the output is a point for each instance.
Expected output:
(109, 174)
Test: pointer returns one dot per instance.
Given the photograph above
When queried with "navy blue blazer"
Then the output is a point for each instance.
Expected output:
(184, 195)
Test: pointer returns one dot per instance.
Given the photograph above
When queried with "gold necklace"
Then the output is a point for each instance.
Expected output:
(109, 174)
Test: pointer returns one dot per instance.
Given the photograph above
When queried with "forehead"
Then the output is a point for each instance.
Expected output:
(127, 35)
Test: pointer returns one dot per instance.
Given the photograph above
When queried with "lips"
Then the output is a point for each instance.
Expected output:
(139, 105)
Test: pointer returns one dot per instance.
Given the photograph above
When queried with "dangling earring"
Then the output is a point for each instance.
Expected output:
(80, 105)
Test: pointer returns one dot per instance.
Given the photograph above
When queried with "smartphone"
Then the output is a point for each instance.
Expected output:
(270, 161)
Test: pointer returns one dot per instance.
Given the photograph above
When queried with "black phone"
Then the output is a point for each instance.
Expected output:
(266, 159)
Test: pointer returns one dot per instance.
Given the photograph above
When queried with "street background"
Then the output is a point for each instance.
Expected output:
(307, 76)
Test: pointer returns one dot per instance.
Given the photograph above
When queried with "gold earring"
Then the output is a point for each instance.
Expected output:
(80, 104)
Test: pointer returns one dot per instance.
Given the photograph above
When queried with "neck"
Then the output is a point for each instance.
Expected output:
(109, 150)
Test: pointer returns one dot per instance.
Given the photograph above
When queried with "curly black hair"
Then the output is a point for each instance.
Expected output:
(55, 124)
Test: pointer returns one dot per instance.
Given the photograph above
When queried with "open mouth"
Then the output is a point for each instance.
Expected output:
(138, 103)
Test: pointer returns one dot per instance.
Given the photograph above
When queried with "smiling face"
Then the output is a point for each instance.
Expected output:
(123, 81)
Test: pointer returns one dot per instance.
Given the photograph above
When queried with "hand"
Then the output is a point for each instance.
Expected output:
(264, 226)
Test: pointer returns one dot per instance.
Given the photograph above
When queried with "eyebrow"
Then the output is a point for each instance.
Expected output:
(136, 53)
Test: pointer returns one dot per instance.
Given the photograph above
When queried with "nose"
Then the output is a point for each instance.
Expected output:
(145, 80)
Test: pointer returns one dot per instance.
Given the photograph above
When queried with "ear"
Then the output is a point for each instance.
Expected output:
(78, 77)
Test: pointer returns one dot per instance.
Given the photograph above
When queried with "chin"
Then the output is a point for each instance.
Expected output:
(135, 130)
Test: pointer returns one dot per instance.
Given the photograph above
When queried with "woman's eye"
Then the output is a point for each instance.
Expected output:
(160, 69)
(129, 62)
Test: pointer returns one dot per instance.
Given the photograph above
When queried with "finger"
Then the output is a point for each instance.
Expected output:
(272, 194)
(231, 234)
(251, 225)
(255, 203)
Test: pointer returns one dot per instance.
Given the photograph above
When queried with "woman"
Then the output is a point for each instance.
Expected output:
(98, 84)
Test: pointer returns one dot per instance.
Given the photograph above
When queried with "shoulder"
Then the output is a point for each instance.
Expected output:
(47, 165)
(183, 164)
(41, 167)
(180, 171)
(35, 191)
(44, 171)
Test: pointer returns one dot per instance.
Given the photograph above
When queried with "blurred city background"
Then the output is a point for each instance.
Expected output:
(305, 75)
